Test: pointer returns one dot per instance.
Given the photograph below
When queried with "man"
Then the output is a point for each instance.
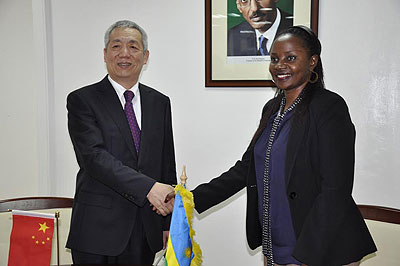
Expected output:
(255, 35)
(125, 151)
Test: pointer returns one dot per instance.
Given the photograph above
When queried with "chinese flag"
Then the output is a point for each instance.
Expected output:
(30, 241)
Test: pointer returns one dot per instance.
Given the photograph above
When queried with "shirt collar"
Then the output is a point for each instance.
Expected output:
(119, 89)
(271, 32)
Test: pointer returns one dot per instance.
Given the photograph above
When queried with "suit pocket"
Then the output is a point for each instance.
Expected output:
(92, 199)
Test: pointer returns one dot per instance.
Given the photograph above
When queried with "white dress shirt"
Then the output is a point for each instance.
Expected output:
(135, 101)
(271, 32)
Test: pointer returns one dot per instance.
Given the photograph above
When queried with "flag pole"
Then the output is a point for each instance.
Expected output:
(183, 176)
(57, 214)
(183, 179)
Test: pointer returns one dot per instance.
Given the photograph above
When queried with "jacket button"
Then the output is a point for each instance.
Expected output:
(292, 195)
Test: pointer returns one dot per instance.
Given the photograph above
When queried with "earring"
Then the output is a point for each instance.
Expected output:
(315, 78)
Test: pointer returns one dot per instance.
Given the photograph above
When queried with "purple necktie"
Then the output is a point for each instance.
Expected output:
(130, 115)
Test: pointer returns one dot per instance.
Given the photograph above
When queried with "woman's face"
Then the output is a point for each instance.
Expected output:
(291, 64)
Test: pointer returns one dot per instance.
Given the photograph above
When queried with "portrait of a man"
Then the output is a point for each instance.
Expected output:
(263, 19)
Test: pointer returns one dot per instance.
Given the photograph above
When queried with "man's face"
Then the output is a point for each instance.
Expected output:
(260, 14)
(125, 56)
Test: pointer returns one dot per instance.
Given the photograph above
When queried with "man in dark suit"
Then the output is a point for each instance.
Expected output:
(125, 151)
(255, 35)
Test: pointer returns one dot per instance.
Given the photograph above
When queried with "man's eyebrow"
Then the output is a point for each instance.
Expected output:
(130, 41)
(120, 41)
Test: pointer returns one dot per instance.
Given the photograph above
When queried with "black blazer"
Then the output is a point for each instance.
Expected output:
(242, 38)
(113, 181)
(319, 178)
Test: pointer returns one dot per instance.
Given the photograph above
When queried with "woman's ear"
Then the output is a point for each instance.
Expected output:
(313, 61)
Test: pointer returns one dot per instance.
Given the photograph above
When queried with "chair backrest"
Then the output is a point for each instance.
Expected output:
(35, 203)
(384, 226)
(379, 213)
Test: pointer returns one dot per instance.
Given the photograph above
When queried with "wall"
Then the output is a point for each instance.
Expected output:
(18, 109)
(360, 53)
(212, 126)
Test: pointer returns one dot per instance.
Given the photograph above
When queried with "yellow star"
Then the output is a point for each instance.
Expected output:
(37, 242)
(43, 227)
(48, 239)
(33, 237)
(188, 252)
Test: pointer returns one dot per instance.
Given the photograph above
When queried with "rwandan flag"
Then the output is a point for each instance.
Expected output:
(182, 250)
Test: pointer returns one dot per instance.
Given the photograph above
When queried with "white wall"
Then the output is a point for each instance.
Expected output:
(18, 110)
(212, 126)
(361, 58)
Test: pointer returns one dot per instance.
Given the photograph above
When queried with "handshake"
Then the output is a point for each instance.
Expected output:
(162, 197)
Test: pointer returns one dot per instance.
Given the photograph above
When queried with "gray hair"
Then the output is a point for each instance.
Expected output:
(126, 24)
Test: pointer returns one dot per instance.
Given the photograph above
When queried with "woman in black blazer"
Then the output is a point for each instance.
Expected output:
(299, 167)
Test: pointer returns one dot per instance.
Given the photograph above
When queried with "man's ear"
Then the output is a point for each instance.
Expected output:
(146, 56)
(104, 54)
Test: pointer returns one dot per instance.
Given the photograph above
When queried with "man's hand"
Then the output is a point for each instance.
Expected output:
(165, 239)
(158, 198)
(170, 196)
(169, 201)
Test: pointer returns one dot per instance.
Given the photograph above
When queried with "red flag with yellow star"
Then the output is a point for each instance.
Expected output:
(30, 240)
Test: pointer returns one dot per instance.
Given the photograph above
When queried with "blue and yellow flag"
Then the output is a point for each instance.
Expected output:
(182, 250)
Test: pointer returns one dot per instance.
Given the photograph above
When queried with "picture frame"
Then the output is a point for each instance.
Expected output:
(223, 70)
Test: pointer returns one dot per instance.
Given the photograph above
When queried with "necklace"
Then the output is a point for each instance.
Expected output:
(266, 217)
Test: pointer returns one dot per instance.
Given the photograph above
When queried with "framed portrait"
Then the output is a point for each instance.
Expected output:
(239, 34)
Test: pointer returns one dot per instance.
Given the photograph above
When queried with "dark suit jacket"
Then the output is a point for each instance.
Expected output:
(113, 181)
(319, 177)
(242, 38)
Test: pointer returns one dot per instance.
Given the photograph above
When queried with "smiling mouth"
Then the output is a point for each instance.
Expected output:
(284, 76)
(124, 64)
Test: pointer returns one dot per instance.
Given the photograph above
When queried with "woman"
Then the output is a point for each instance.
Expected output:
(299, 167)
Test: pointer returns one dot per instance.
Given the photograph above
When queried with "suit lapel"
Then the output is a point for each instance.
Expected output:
(148, 107)
(286, 21)
(251, 39)
(111, 102)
